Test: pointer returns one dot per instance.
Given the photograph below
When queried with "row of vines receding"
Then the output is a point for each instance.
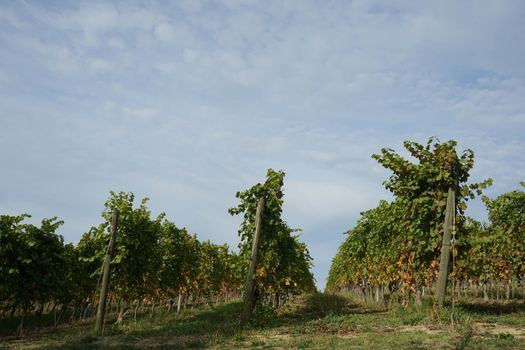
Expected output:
(395, 248)
(154, 263)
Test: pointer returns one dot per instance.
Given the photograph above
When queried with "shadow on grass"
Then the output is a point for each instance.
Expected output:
(212, 327)
(192, 329)
(488, 308)
(318, 305)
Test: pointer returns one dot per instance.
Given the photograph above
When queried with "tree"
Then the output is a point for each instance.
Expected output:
(32, 264)
(136, 261)
(371, 252)
(476, 255)
(14, 257)
(507, 224)
(422, 189)
(399, 242)
(47, 269)
(284, 262)
(176, 259)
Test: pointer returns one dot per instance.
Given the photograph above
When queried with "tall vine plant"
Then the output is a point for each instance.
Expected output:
(284, 262)
(408, 231)
(507, 230)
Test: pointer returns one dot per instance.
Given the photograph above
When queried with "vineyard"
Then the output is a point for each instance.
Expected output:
(396, 247)
(416, 261)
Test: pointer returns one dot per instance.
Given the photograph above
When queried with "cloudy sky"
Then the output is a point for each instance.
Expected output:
(187, 103)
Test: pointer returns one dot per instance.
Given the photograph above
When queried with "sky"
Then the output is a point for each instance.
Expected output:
(188, 102)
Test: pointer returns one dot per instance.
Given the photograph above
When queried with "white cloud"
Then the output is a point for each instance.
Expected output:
(144, 114)
(100, 65)
(322, 201)
(115, 42)
(7, 16)
(174, 34)
(4, 79)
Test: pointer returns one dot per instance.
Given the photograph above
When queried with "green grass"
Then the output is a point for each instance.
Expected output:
(316, 321)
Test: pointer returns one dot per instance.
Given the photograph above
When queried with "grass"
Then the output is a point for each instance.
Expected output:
(316, 321)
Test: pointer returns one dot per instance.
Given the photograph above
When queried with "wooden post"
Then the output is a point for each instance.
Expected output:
(249, 294)
(101, 312)
(450, 211)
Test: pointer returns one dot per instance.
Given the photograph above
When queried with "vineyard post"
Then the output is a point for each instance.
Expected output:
(445, 247)
(101, 312)
(249, 295)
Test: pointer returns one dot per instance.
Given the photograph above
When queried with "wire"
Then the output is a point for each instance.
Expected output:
(453, 245)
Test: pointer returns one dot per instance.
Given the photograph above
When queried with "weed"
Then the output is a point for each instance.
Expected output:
(263, 315)
(505, 336)
(258, 342)
(305, 344)
(465, 336)
(240, 337)
(195, 343)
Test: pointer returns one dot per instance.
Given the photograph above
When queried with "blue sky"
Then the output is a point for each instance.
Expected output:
(188, 102)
